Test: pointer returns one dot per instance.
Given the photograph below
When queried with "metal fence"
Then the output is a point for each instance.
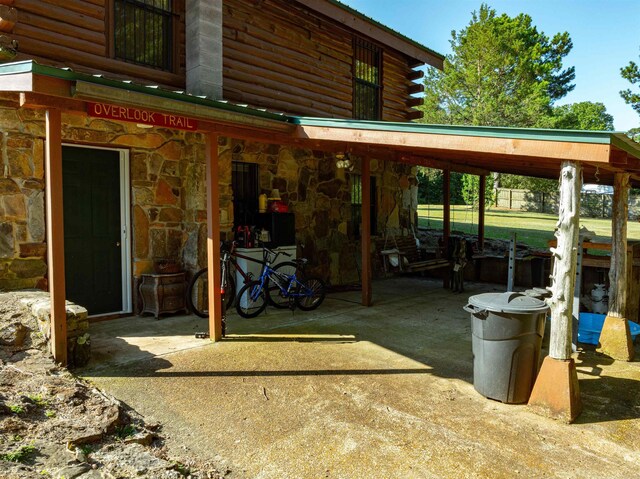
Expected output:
(592, 205)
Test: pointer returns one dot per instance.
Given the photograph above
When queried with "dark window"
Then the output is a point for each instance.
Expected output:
(356, 205)
(367, 80)
(143, 32)
(244, 182)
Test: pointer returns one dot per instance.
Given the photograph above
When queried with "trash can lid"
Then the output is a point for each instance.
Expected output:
(508, 302)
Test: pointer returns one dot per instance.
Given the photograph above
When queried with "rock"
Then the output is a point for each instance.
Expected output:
(144, 438)
(133, 460)
(33, 250)
(7, 244)
(8, 186)
(13, 334)
(35, 219)
(141, 232)
(71, 472)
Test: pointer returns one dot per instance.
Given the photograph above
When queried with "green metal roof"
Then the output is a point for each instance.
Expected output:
(355, 12)
(30, 66)
(615, 138)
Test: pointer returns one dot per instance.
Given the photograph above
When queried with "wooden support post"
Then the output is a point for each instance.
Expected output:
(55, 235)
(481, 205)
(213, 238)
(446, 220)
(615, 339)
(556, 392)
(365, 233)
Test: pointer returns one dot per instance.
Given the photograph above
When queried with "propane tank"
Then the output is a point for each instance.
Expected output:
(262, 203)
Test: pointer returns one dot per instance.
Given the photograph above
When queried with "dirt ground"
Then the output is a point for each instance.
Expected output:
(386, 391)
(54, 424)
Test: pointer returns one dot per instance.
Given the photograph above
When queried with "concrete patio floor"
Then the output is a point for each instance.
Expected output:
(353, 392)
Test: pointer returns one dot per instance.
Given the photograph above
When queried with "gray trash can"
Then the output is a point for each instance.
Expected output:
(507, 330)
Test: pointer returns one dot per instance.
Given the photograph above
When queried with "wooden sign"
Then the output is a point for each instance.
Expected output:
(145, 117)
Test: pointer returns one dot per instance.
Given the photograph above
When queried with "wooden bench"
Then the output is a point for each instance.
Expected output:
(401, 254)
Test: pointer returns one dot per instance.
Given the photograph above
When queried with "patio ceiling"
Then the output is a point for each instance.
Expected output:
(479, 150)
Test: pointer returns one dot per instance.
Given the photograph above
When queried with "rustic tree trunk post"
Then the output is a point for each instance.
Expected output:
(615, 340)
(556, 392)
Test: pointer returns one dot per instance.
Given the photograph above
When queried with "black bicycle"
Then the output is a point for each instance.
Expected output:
(198, 289)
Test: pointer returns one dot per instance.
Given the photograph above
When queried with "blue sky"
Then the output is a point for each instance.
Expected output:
(605, 34)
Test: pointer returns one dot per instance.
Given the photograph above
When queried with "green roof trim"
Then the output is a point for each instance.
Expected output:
(396, 33)
(618, 139)
(30, 66)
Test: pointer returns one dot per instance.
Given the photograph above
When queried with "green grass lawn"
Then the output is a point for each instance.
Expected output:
(534, 229)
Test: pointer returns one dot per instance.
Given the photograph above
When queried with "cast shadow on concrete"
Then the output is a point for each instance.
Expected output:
(605, 397)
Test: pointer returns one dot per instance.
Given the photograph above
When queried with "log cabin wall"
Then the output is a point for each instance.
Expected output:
(77, 34)
(280, 55)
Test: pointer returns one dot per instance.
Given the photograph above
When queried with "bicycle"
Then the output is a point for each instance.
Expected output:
(198, 292)
(304, 293)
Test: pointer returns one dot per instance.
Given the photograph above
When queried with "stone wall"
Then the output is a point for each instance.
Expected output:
(168, 213)
(22, 230)
(319, 194)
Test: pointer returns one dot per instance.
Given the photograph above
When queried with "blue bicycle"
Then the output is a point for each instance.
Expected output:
(282, 286)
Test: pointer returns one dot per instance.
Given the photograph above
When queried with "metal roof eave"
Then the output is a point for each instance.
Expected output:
(31, 67)
(617, 139)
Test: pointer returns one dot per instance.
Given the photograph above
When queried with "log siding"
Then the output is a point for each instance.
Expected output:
(79, 35)
(278, 54)
(281, 55)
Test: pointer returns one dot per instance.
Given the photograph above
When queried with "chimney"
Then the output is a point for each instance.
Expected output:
(204, 47)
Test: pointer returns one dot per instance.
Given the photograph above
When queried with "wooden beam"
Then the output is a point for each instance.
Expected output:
(55, 234)
(414, 101)
(38, 100)
(365, 232)
(415, 114)
(487, 147)
(481, 203)
(415, 75)
(213, 238)
(446, 219)
(443, 165)
(415, 88)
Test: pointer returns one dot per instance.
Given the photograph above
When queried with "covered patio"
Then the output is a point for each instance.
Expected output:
(609, 158)
(347, 391)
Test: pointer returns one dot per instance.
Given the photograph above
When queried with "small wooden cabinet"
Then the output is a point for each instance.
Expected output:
(162, 293)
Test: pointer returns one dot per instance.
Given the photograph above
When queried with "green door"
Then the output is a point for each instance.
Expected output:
(92, 224)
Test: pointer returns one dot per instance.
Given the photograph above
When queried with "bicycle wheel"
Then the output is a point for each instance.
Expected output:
(251, 300)
(310, 293)
(275, 295)
(198, 293)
